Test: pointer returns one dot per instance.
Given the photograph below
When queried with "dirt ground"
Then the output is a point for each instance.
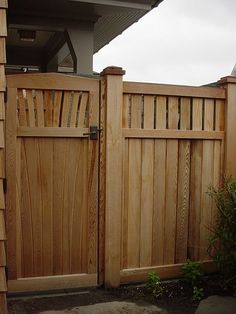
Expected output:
(33, 305)
(176, 297)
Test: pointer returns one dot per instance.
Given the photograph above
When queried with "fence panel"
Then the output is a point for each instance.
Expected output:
(173, 151)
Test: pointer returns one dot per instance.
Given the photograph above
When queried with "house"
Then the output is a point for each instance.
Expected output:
(52, 36)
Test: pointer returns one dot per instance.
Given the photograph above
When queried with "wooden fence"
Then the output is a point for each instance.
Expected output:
(170, 143)
(70, 224)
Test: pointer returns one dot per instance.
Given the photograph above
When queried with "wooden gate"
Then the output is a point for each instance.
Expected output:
(52, 182)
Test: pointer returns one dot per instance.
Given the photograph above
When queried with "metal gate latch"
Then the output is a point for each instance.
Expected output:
(93, 132)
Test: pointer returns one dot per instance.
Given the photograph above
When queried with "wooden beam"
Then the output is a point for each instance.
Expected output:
(52, 283)
(173, 90)
(49, 81)
(163, 271)
(174, 134)
(51, 132)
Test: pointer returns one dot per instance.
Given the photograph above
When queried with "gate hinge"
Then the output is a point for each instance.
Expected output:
(5, 96)
(4, 185)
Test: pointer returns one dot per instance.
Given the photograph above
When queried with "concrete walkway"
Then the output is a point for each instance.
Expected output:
(217, 305)
(112, 308)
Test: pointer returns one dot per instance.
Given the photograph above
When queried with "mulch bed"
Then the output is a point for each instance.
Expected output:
(176, 297)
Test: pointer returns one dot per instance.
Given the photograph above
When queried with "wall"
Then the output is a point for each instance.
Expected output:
(3, 34)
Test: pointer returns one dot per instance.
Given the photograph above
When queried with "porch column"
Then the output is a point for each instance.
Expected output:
(111, 173)
(81, 44)
(229, 83)
(3, 35)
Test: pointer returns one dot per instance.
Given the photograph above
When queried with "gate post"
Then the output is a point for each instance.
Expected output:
(229, 83)
(111, 174)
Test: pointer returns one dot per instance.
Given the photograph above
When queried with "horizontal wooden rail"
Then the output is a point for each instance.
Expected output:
(52, 283)
(174, 134)
(166, 272)
(173, 90)
(52, 81)
(51, 132)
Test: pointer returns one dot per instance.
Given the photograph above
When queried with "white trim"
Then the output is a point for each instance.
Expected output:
(124, 4)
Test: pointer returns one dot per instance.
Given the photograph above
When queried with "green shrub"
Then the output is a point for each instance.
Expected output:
(198, 293)
(154, 284)
(222, 242)
(192, 272)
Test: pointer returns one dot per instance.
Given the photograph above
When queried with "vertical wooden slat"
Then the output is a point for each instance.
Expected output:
(196, 182)
(183, 202)
(185, 114)
(171, 200)
(39, 108)
(159, 186)
(22, 108)
(30, 102)
(26, 177)
(136, 111)
(173, 115)
(46, 166)
(197, 114)
(82, 109)
(65, 109)
(195, 200)
(161, 112)
(74, 109)
(134, 188)
(48, 108)
(79, 217)
(125, 111)
(158, 228)
(207, 179)
(57, 108)
(93, 188)
(219, 115)
(171, 184)
(59, 164)
(147, 186)
(183, 186)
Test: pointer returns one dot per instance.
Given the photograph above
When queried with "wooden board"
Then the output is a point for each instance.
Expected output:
(2, 50)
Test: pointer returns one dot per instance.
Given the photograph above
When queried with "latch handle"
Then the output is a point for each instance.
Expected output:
(93, 132)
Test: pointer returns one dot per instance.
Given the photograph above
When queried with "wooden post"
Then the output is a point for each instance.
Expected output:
(111, 173)
(229, 83)
(3, 34)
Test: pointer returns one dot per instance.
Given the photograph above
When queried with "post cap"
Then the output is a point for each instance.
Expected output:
(227, 79)
(113, 70)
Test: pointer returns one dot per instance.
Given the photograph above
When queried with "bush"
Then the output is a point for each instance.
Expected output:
(192, 274)
(154, 284)
(222, 243)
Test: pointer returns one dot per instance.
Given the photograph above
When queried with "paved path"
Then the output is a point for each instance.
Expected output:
(112, 308)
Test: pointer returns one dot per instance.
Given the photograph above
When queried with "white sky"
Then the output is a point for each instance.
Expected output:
(190, 42)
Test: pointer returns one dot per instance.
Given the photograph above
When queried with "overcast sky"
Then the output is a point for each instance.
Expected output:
(190, 42)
